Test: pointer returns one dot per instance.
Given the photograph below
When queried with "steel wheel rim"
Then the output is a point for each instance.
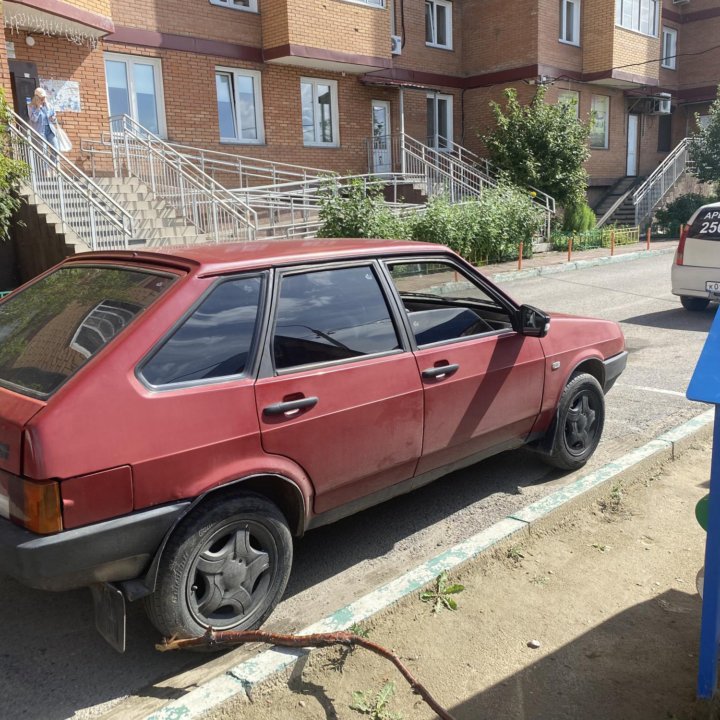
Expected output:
(229, 577)
(581, 423)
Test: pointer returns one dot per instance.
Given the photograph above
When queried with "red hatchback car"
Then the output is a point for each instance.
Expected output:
(169, 421)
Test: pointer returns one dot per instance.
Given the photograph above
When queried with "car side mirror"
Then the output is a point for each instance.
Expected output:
(533, 322)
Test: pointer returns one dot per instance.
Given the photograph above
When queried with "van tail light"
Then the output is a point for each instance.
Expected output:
(680, 252)
(35, 505)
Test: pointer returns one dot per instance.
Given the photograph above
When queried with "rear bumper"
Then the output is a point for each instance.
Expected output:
(613, 369)
(111, 551)
(689, 281)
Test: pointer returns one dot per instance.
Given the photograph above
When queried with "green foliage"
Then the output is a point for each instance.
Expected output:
(489, 229)
(705, 148)
(595, 238)
(357, 210)
(441, 595)
(541, 145)
(11, 174)
(579, 217)
(679, 211)
(376, 707)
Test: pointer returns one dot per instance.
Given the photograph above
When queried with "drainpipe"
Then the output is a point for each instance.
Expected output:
(402, 131)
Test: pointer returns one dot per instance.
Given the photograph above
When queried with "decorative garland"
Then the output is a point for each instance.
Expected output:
(50, 28)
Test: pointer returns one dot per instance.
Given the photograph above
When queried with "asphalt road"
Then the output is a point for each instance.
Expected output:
(55, 666)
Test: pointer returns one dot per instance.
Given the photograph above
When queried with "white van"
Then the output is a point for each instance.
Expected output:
(696, 269)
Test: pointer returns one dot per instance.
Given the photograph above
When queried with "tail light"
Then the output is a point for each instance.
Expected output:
(680, 252)
(34, 505)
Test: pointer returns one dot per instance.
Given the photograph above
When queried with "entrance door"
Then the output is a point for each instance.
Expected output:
(134, 88)
(381, 130)
(24, 80)
(632, 144)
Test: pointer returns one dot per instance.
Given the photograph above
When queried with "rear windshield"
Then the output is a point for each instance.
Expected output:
(706, 225)
(51, 329)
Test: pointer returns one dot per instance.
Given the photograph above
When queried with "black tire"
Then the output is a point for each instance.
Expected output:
(581, 418)
(226, 566)
(694, 304)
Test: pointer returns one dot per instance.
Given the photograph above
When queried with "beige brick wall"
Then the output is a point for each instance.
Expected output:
(550, 50)
(328, 24)
(4, 71)
(597, 36)
(632, 51)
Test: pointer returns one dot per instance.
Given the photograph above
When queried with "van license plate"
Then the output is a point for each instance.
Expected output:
(713, 287)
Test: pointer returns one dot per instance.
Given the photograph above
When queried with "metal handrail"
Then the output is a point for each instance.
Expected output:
(647, 197)
(196, 196)
(81, 205)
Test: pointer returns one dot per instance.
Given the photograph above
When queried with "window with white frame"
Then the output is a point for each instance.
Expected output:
(371, 3)
(571, 99)
(643, 16)
(247, 5)
(439, 121)
(600, 123)
(669, 48)
(438, 23)
(570, 21)
(319, 112)
(239, 103)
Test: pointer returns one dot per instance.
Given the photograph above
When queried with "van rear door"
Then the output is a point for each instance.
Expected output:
(702, 246)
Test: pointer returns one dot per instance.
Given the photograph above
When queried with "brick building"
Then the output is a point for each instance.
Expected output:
(308, 83)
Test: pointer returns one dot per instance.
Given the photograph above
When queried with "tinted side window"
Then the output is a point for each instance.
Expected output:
(706, 225)
(331, 315)
(215, 341)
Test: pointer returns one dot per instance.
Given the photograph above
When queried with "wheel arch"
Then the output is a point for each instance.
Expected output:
(277, 488)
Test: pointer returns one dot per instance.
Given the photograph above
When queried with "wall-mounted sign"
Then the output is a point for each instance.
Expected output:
(10, 50)
(63, 95)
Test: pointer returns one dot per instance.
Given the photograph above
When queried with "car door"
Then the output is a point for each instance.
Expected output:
(339, 392)
(482, 380)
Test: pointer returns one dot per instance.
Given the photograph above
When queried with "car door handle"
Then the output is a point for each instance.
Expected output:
(441, 371)
(291, 407)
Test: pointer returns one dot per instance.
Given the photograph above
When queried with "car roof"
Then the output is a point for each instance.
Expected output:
(231, 257)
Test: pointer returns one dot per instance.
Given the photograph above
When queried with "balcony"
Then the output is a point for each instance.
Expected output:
(318, 35)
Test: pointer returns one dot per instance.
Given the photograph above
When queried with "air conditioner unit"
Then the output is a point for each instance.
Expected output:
(395, 45)
(680, 2)
(661, 104)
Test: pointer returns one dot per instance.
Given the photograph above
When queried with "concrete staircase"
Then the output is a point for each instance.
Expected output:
(156, 222)
(617, 207)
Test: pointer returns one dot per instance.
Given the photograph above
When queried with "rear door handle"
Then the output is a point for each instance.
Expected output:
(441, 371)
(291, 407)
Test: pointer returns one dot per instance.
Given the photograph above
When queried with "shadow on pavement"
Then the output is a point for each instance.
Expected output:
(638, 665)
(676, 319)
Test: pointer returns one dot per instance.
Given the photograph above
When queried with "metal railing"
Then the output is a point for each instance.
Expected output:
(172, 177)
(648, 196)
(81, 205)
(443, 166)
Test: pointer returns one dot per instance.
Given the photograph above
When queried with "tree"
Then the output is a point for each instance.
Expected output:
(541, 145)
(705, 148)
(11, 173)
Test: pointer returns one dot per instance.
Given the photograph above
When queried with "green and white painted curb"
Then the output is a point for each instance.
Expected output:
(579, 264)
(240, 679)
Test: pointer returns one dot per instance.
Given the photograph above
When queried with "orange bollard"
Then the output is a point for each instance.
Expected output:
(612, 243)
(520, 254)
(570, 248)
(647, 242)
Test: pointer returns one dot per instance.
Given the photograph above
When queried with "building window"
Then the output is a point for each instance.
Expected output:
(134, 88)
(438, 23)
(247, 5)
(440, 121)
(571, 98)
(371, 3)
(319, 112)
(640, 15)
(239, 103)
(570, 21)
(669, 48)
(600, 121)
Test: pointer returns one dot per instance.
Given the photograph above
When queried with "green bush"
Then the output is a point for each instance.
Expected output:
(679, 211)
(578, 217)
(11, 174)
(358, 211)
(595, 238)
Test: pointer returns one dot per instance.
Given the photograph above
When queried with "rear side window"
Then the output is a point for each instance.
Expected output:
(52, 328)
(706, 225)
(215, 341)
(331, 315)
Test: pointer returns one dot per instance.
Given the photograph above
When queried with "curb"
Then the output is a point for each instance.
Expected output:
(577, 265)
(240, 680)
